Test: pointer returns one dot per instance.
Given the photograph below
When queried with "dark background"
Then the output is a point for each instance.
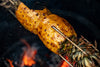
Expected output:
(82, 14)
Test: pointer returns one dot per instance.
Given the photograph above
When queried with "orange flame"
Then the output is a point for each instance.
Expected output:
(28, 60)
(29, 55)
(65, 64)
(10, 62)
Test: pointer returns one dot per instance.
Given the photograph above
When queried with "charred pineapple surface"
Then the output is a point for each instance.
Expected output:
(40, 21)
(49, 36)
(30, 19)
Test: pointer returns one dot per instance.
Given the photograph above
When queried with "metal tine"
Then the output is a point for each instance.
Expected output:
(65, 60)
(7, 6)
(11, 2)
(90, 43)
(12, 13)
(4, 2)
(68, 39)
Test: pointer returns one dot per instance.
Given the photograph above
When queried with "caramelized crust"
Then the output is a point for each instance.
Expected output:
(40, 21)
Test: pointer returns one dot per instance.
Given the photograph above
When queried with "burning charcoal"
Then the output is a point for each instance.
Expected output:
(6, 62)
(29, 55)
(10, 62)
(65, 64)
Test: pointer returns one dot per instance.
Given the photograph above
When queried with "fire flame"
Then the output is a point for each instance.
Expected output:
(29, 55)
(10, 62)
(28, 60)
(65, 64)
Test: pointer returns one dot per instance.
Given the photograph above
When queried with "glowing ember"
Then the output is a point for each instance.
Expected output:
(65, 64)
(29, 55)
(28, 60)
(10, 62)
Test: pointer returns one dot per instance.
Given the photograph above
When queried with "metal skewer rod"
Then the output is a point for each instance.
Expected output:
(65, 60)
(68, 39)
(12, 13)
(11, 2)
(7, 6)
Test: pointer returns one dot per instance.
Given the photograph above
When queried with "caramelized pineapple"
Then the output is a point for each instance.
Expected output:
(40, 21)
